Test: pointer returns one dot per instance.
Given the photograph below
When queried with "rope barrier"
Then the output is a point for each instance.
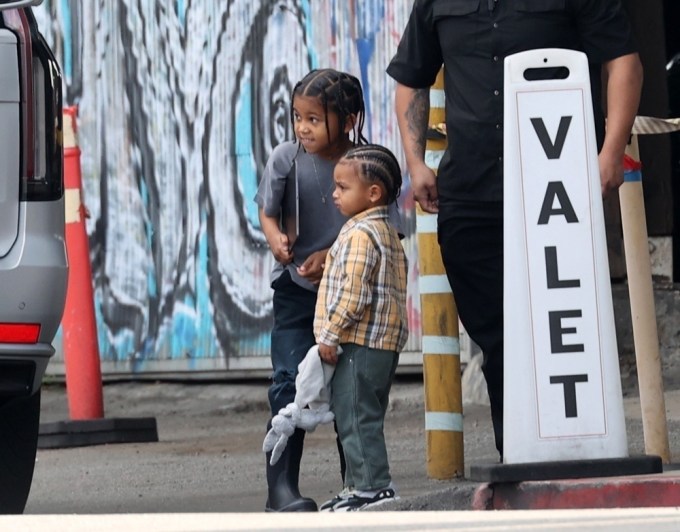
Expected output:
(649, 125)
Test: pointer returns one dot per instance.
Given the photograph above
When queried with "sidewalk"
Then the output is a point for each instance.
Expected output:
(622, 520)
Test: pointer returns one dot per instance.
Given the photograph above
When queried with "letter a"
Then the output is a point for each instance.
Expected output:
(555, 189)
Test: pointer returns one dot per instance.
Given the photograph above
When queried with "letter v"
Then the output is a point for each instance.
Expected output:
(552, 150)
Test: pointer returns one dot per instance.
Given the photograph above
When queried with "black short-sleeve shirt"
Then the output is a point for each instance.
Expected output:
(471, 38)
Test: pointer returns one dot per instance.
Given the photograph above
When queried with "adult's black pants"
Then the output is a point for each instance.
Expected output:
(472, 252)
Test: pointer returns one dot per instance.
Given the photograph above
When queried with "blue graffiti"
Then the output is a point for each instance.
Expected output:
(309, 30)
(369, 17)
(181, 11)
(218, 95)
(67, 59)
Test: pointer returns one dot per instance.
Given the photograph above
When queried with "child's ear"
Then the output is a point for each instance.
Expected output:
(375, 193)
(350, 123)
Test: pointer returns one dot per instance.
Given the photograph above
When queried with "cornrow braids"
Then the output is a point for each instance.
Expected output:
(338, 92)
(377, 164)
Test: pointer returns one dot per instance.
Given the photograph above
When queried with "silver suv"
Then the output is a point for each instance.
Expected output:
(33, 265)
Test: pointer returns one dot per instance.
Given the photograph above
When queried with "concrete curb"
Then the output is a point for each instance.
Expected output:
(459, 495)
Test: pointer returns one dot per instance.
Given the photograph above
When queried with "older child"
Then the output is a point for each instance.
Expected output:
(362, 307)
(327, 112)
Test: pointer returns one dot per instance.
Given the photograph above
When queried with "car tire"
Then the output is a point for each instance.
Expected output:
(19, 425)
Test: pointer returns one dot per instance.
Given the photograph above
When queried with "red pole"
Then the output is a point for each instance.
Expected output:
(79, 328)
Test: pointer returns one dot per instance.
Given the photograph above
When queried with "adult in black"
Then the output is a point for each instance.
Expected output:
(471, 38)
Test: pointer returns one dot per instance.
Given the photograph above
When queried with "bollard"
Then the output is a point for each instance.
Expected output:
(440, 343)
(79, 328)
(642, 309)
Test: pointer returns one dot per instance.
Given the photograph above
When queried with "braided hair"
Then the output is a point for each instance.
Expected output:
(377, 165)
(338, 92)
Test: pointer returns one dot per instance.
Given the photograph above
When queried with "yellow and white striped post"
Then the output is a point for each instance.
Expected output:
(440, 342)
(641, 293)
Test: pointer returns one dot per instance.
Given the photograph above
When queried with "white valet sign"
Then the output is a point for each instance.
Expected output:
(563, 397)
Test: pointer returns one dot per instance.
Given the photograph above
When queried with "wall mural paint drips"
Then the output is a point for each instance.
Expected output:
(179, 106)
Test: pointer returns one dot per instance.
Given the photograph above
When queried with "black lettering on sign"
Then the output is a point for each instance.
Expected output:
(555, 318)
(568, 383)
(552, 274)
(555, 189)
(552, 150)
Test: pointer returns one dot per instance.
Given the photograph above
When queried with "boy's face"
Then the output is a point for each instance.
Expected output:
(352, 194)
(312, 125)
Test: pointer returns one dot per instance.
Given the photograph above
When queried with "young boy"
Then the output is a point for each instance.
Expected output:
(362, 307)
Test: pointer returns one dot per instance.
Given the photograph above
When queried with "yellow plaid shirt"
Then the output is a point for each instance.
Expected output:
(362, 295)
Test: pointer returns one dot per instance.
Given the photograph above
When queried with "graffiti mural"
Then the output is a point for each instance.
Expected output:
(180, 104)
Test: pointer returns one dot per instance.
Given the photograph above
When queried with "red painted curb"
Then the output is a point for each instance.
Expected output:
(482, 499)
(661, 490)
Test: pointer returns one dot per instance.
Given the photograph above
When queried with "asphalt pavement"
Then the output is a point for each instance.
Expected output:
(209, 460)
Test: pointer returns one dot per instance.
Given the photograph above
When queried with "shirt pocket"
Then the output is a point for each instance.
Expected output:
(457, 24)
(544, 6)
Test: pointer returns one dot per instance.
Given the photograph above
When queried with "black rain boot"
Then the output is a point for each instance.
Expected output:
(282, 479)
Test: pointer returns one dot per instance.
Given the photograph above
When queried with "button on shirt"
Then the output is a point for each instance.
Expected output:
(472, 38)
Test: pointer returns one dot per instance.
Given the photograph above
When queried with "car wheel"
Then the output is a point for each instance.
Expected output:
(19, 424)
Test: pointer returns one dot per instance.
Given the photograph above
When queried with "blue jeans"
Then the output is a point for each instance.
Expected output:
(291, 338)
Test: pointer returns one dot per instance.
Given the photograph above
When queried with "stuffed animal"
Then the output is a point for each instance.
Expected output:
(311, 407)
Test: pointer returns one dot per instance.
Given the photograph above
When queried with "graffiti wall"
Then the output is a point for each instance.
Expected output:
(180, 104)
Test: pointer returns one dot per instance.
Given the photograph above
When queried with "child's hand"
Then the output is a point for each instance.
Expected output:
(328, 353)
(281, 250)
(312, 268)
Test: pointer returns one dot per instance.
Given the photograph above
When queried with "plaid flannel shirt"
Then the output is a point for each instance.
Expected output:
(362, 296)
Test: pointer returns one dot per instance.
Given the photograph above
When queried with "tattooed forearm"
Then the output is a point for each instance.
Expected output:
(417, 116)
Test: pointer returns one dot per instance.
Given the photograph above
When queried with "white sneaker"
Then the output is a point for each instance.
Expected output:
(358, 500)
(343, 495)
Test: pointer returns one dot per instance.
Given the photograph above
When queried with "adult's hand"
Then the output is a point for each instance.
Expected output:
(611, 172)
(424, 186)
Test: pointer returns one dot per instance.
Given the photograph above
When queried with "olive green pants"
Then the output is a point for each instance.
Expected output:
(360, 395)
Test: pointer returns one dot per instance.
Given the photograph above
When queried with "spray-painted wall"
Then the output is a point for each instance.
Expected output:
(180, 104)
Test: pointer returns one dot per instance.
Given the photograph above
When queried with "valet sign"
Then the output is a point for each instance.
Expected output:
(562, 385)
